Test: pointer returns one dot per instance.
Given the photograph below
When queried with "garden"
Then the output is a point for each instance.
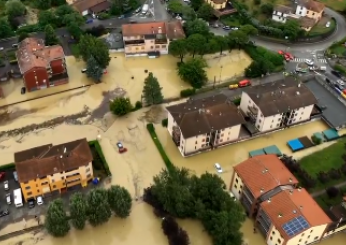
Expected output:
(100, 165)
(322, 169)
(333, 196)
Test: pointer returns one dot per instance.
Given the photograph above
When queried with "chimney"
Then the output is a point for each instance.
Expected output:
(294, 211)
(291, 191)
(299, 188)
(301, 207)
(280, 215)
(261, 190)
(269, 200)
(290, 180)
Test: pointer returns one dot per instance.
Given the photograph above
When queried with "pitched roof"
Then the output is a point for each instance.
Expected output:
(175, 30)
(281, 96)
(201, 116)
(46, 160)
(264, 173)
(83, 5)
(32, 53)
(312, 5)
(290, 204)
(147, 28)
(283, 9)
(100, 7)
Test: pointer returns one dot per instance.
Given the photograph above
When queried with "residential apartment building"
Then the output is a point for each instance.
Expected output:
(282, 13)
(259, 178)
(204, 124)
(291, 217)
(151, 38)
(310, 8)
(41, 66)
(85, 7)
(276, 105)
(49, 169)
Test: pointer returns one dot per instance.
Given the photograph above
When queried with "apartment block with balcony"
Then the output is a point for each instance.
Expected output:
(291, 217)
(48, 169)
(204, 124)
(277, 105)
(258, 179)
(151, 38)
(41, 66)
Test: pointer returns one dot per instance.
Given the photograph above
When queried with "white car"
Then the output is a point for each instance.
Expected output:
(1, 48)
(6, 187)
(328, 24)
(218, 168)
(39, 200)
(309, 62)
(235, 28)
(340, 82)
(8, 198)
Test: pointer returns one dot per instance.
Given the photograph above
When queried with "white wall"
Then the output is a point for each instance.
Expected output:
(171, 123)
(302, 114)
(85, 12)
(237, 185)
(277, 18)
(274, 237)
(301, 11)
(311, 235)
(192, 144)
(227, 135)
(271, 123)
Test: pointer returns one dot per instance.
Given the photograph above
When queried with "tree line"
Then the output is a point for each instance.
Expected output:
(96, 207)
(182, 195)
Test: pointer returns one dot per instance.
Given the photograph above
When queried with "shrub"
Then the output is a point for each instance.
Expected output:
(334, 174)
(9, 166)
(343, 169)
(323, 177)
(103, 16)
(340, 68)
(151, 129)
(164, 122)
(257, 2)
(237, 101)
(187, 92)
(138, 105)
(332, 192)
(97, 146)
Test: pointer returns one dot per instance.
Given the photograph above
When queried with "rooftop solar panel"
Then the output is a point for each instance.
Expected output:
(295, 226)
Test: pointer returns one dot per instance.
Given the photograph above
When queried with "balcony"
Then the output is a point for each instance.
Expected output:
(176, 133)
(246, 204)
(248, 195)
(161, 41)
(262, 229)
(72, 183)
(73, 177)
(134, 43)
(264, 220)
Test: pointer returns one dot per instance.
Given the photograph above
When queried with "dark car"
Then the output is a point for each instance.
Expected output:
(23, 90)
(336, 73)
(226, 28)
(31, 203)
(4, 213)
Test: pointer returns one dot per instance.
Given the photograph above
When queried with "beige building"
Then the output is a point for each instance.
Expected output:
(217, 4)
(311, 9)
(49, 169)
(276, 105)
(259, 178)
(204, 124)
(292, 217)
(151, 38)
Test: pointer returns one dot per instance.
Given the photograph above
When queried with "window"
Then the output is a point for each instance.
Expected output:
(151, 47)
(29, 193)
(271, 238)
(300, 118)
(306, 242)
(203, 145)
(307, 12)
(302, 234)
(311, 231)
(195, 147)
(300, 240)
(227, 138)
(196, 143)
(87, 170)
(302, 112)
(44, 183)
(157, 46)
(260, 121)
(221, 141)
(249, 101)
(236, 180)
(273, 232)
(308, 236)
(164, 46)
(53, 180)
(221, 135)
(316, 237)
(235, 186)
(271, 126)
(277, 125)
(229, 133)
(300, 12)
(313, 13)
(62, 178)
(38, 191)
(272, 121)
(142, 48)
(26, 182)
(27, 187)
(279, 240)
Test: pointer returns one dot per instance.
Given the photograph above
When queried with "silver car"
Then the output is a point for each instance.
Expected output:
(218, 168)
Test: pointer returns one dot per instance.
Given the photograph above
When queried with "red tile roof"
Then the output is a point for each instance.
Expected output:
(289, 204)
(263, 173)
(32, 52)
(148, 28)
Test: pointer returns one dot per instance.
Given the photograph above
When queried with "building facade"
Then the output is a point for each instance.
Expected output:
(49, 169)
(217, 4)
(41, 66)
(152, 38)
(281, 13)
(311, 9)
(85, 7)
(259, 178)
(277, 105)
(205, 124)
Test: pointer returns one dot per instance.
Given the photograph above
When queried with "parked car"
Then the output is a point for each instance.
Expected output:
(23, 90)
(233, 86)
(39, 200)
(15, 176)
(226, 28)
(218, 168)
(340, 82)
(8, 198)
(121, 17)
(336, 73)
(6, 186)
(1, 48)
(244, 83)
(84, 70)
(234, 28)
(15, 45)
(89, 21)
(31, 203)
(309, 62)
(289, 56)
(121, 148)
(4, 213)
(328, 24)
(2, 175)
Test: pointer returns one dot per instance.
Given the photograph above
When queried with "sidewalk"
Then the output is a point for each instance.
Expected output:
(321, 192)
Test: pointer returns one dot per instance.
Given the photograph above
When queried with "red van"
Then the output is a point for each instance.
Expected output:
(244, 83)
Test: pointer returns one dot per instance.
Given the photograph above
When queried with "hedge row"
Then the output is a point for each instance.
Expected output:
(9, 166)
(96, 144)
(159, 147)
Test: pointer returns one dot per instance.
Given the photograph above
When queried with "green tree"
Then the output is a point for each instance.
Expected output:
(291, 29)
(238, 39)
(176, 6)
(47, 17)
(196, 4)
(43, 4)
(5, 28)
(189, 14)
(222, 43)
(99, 211)
(63, 10)
(196, 43)
(15, 8)
(57, 3)
(249, 30)
(120, 106)
(92, 46)
(74, 18)
(120, 201)
(192, 71)
(267, 9)
(197, 26)
(22, 36)
(50, 36)
(75, 30)
(78, 210)
(56, 221)
(205, 12)
(212, 46)
(152, 91)
(178, 48)
(123, 6)
(94, 71)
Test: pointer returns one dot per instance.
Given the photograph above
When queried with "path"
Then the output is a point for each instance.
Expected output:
(321, 192)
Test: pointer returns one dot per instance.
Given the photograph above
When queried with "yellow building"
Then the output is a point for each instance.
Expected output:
(311, 9)
(217, 4)
(292, 217)
(49, 169)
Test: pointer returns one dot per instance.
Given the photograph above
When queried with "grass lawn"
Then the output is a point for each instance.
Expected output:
(338, 5)
(324, 160)
(320, 28)
(338, 50)
(255, 8)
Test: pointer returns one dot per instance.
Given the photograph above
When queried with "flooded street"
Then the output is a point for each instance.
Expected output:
(134, 169)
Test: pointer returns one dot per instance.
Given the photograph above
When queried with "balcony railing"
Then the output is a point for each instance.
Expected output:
(72, 183)
(263, 230)
(246, 204)
(265, 223)
(248, 195)
(134, 43)
(160, 41)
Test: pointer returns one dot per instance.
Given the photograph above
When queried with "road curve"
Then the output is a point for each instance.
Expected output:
(321, 45)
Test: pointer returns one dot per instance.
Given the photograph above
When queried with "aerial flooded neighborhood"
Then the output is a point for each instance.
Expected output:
(173, 122)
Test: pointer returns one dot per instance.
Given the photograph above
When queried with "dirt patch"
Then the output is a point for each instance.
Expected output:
(8, 115)
(154, 115)
(31, 16)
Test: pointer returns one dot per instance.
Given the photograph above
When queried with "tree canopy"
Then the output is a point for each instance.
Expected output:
(92, 46)
(120, 106)
(205, 11)
(56, 221)
(196, 44)
(94, 71)
(152, 91)
(99, 211)
(197, 26)
(5, 28)
(43, 4)
(178, 48)
(192, 71)
(15, 8)
(78, 210)
(120, 201)
(50, 36)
